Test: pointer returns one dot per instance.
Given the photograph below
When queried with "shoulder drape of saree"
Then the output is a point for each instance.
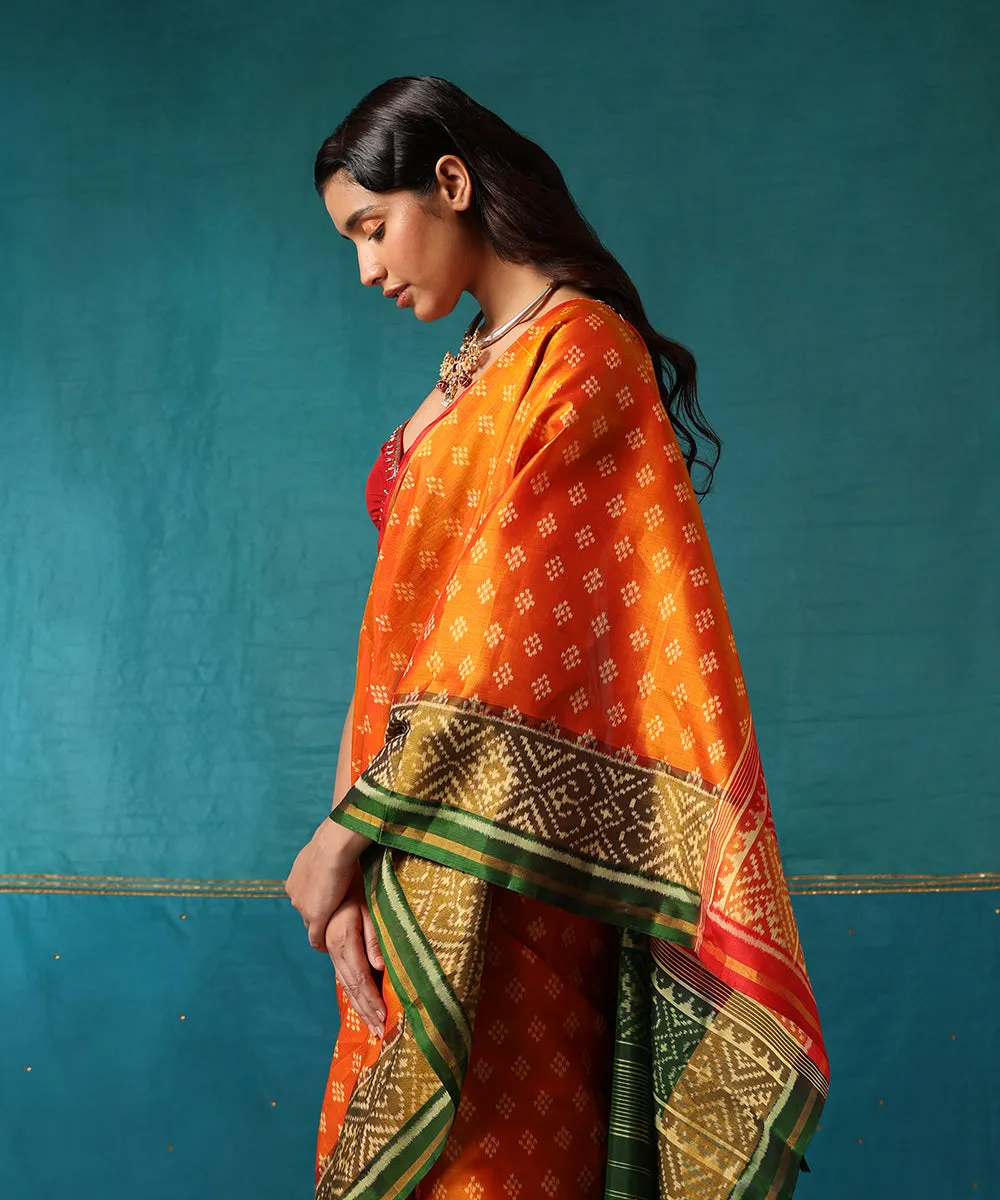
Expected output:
(550, 702)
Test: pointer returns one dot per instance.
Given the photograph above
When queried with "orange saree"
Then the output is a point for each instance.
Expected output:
(594, 982)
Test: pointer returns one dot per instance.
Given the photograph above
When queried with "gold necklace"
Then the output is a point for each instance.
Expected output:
(457, 370)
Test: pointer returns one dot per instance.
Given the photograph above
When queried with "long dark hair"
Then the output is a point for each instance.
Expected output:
(393, 139)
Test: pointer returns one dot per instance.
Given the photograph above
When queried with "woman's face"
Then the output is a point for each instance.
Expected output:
(417, 247)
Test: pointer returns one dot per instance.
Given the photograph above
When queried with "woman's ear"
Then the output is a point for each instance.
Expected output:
(454, 182)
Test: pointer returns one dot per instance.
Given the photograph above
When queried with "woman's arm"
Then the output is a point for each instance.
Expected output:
(326, 866)
(342, 780)
(324, 884)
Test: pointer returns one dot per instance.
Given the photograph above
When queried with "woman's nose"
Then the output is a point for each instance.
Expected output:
(371, 271)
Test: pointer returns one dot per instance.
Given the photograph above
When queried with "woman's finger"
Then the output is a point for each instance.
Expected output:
(321, 877)
(371, 940)
(347, 952)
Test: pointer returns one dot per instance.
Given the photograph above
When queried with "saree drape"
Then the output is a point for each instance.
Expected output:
(549, 701)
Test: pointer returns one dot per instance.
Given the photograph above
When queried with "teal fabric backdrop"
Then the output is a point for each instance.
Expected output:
(192, 389)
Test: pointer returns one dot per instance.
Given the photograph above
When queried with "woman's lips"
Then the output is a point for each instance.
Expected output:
(402, 298)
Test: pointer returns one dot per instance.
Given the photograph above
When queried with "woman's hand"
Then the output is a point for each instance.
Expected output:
(354, 950)
(321, 875)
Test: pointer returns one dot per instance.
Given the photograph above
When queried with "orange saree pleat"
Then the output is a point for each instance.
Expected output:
(533, 1120)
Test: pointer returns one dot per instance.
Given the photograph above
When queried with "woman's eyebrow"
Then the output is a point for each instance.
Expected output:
(355, 217)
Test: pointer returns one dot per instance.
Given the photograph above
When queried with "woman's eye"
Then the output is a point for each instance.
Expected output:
(377, 235)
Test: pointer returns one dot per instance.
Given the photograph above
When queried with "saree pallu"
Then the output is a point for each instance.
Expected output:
(549, 703)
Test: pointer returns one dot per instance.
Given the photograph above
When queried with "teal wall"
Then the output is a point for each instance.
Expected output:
(193, 386)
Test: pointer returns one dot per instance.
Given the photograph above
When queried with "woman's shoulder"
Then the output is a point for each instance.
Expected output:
(582, 333)
(586, 359)
(590, 320)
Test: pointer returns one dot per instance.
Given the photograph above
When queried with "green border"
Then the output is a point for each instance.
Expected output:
(634, 905)
(425, 1008)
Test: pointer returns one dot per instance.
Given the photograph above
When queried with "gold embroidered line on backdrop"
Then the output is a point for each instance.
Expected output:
(266, 889)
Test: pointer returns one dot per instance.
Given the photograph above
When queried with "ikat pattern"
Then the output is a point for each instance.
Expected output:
(549, 700)
(573, 519)
(446, 904)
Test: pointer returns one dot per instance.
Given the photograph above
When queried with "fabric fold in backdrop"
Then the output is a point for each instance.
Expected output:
(549, 700)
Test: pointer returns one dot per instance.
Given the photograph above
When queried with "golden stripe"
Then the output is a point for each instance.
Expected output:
(779, 1178)
(363, 817)
(137, 879)
(800, 1124)
(911, 875)
(141, 885)
(863, 885)
(431, 1151)
(179, 893)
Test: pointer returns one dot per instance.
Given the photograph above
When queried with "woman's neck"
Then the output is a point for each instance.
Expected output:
(502, 289)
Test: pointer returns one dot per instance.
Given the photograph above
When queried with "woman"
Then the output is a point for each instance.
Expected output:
(551, 839)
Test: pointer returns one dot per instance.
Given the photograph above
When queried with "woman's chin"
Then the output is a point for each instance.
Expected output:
(425, 309)
(429, 309)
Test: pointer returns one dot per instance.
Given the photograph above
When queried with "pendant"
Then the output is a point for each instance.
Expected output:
(457, 370)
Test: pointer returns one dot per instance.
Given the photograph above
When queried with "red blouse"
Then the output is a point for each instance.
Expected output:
(387, 466)
(383, 474)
